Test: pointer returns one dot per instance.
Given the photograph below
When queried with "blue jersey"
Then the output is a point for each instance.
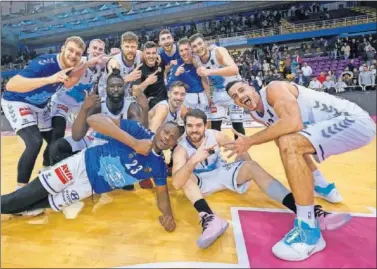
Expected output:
(40, 67)
(165, 59)
(114, 165)
(190, 77)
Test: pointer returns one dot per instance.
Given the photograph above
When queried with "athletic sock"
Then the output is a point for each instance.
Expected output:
(306, 214)
(202, 206)
(319, 179)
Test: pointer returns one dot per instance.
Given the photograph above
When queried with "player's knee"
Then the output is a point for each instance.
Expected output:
(192, 182)
(60, 150)
(33, 143)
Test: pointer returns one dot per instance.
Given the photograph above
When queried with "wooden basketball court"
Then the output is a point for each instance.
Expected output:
(123, 230)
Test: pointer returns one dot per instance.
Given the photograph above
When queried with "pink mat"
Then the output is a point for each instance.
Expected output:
(352, 246)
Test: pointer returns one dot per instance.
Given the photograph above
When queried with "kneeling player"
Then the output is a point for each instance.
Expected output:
(199, 170)
(132, 154)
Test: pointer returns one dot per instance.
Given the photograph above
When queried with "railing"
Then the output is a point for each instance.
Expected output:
(299, 27)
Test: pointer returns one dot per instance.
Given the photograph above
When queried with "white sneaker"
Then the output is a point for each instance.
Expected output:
(328, 193)
(72, 211)
(300, 243)
(31, 213)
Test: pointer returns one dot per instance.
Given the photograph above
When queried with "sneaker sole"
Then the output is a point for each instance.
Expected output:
(316, 194)
(30, 215)
(206, 243)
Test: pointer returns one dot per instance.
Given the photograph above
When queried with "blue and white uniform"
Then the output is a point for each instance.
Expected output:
(30, 108)
(195, 96)
(333, 125)
(165, 58)
(214, 174)
(103, 168)
(70, 100)
(223, 105)
(92, 139)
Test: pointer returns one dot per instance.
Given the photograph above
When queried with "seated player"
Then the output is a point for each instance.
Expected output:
(199, 170)
(132, 153)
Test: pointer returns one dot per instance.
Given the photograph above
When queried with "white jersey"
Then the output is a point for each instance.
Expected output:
(175, 117)
(213, 161)
(122, 114)
(124, 69)
(75, 95)
(314, 107)
(218, 82)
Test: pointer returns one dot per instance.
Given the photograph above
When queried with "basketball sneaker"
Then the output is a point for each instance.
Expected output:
(213, 227)
(330, 221)
(299, 243)
(328, 193)
(129, 188)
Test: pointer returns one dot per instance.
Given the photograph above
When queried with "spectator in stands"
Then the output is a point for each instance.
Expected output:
(329, 85)
(322, 77)
(340, 85)
(366, 78)
(269, 77)
(356, 71)
(370, 53)
(266, 66)
(300, 78)
(307, 72)
(347, 78)
(276, 75)
(297, 57)
(373, 70)
(315, 84)
(331, 75)
(351, 65)
(346, 49)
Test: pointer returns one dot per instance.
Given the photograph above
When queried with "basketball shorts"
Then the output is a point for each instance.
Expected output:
(197, 101)
(224, 107)
(21, 115)
(340, 134)
(221, 178)
(83, 143)
(64, 105)
(67, 182)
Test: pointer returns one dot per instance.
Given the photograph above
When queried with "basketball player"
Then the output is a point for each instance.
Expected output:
(168, 50)
(151, 82)
(114, 105)
(132, 154)
(198, 95)
(70, 100)
(303, 122)
(25, 100)
(199, 172)
(218, 66)
(172, 109)
(128, 61)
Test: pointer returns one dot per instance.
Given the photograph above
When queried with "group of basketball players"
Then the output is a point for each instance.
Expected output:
(134, 102)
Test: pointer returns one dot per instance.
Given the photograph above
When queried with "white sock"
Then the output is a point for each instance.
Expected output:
(319, 179)
(306, 214)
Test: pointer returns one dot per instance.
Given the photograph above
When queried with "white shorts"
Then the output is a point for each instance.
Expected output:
(67, 182)
(82, 144)
(221, 178)
(197, 101)
(21, 115)
(224, 107)
(63, 105)
(340, 134)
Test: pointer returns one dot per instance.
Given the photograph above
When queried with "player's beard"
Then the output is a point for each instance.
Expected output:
(195, 137)
(168, 47)
(66, 62)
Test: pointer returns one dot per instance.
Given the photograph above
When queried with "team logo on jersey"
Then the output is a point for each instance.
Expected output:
(130, 156)
(24, 111)
(75, 196)
(64, 174)
(46, 61)
(147, 169)
(112, 170)
(62, 107)
(39, 98)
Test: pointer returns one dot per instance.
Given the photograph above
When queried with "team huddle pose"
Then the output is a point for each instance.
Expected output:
(131, 106)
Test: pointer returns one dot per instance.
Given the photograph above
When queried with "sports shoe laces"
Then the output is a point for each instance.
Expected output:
(296, 235)
(206, 219)
(318, 211)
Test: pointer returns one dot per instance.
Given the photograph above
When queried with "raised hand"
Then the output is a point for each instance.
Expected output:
(168, 223)
(91, 100)
(152, 78)
(134, 75)
(202, 152)
(95, 61)
(114, 51)
(142, 101)
(60, 77)
(239, 146)
(180, 70)
(202, 71)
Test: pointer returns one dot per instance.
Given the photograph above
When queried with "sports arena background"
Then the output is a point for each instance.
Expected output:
(282, 40)
(268, 40)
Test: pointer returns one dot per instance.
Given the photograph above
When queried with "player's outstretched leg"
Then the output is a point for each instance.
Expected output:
(213, 226)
